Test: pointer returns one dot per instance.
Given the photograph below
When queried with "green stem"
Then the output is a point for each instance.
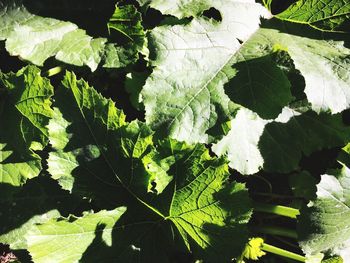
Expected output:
(53, 71)
(282, 252)
(274, 230)
(276, 209)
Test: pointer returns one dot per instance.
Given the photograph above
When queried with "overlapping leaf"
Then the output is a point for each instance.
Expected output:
(324, 224)
(254, 143)
(323, 61)
(100, 156)
(24, 113)
(326, 14)
(35, 38)
(39, 200)
(180, 9)
(184, 94)
(66, 240)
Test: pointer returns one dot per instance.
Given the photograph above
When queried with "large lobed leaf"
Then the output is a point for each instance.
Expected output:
(184, 94)
(164, 185)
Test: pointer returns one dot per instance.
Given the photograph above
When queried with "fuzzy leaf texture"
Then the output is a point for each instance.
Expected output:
(168, 187)
(330, 15)
(184, 95)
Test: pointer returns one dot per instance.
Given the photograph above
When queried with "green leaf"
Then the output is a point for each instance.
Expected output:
(324, 224)
(24, 113)
(36, 202)
(303, 185)
(333, 260)
(323, 15)
(126, 20)
(173, 191)
(35, 39)
(88, 114)
(177, 8)
(254, 143)
(207, 210)
(65, 240)
(321, 59)
(184, 95)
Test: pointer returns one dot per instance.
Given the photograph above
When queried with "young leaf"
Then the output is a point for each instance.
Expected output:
(126, 20)
(24, 113)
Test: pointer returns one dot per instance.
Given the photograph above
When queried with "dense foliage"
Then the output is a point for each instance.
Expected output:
(175, 131)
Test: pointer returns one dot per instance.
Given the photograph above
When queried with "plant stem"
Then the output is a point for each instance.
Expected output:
(274, 230)
(282, 252)
(276, 209)
(53, 71)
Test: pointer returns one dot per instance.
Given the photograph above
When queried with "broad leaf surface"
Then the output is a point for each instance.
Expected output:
(164, 185)
(36, 202)
(35, 39)
(254, 143)
(324, 224)
(325, 14)
(323, 61)
(184, 94)
(24, 113)
(66, 240)
(179, 8)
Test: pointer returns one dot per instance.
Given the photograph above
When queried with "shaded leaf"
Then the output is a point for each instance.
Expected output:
(65, 240)
(323, 224)
(184, 95)
(24, 113)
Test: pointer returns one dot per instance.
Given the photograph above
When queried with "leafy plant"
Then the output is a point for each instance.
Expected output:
(230, 99)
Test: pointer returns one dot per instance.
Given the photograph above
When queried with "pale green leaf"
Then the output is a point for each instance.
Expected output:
(324, 224)
(65, 240)
(254, 143)
(184, 95)
(35, 39)
(324, 63)
(24, 113)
